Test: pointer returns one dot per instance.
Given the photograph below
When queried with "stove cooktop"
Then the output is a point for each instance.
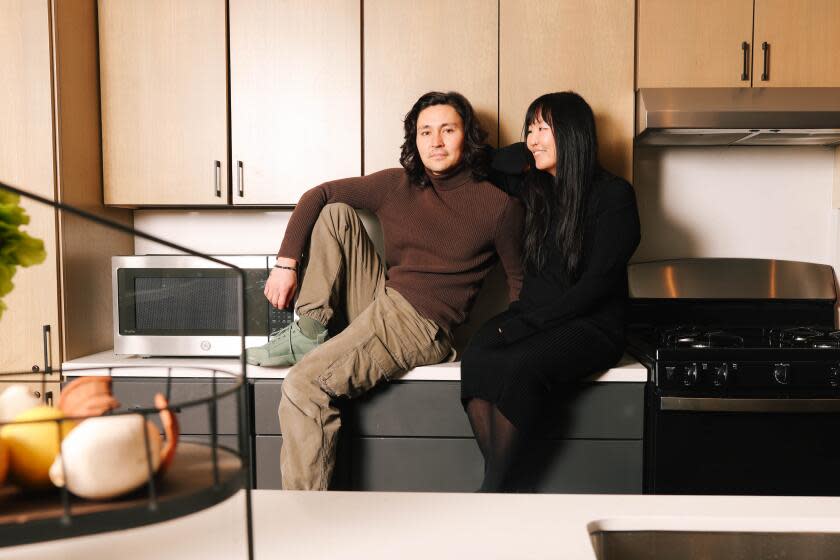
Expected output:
(727, 361)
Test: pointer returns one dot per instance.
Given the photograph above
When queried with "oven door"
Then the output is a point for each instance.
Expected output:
(745, 446)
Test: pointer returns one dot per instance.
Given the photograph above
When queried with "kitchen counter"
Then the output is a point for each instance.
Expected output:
(627, 370)
(372, 525)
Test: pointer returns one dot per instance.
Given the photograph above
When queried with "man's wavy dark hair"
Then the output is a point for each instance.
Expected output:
(475, 155)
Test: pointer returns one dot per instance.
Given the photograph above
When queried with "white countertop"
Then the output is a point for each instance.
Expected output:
(408, 526)
(106, 363)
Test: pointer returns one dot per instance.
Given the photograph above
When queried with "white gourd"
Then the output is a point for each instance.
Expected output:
(15, 400)
(105, 457)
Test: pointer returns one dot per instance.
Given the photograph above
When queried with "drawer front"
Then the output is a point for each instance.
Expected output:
(267, 450)
(416, 464)
(455, 465)
(583, 467)
(433, 409)
(193, 420)
(266, 400)
(411, 409)
(595, 411)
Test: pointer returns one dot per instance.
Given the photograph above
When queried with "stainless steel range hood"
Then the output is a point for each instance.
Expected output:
(738, 116)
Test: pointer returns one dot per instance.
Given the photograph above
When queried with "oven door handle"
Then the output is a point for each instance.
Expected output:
(699, 404)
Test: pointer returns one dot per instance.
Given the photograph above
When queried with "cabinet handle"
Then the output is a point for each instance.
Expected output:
(47, 353)
(745, 75)
(218, 178)
(240, 178)
(765, 75)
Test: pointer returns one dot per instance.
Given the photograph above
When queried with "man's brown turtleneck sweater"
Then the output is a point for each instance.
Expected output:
(440, 240)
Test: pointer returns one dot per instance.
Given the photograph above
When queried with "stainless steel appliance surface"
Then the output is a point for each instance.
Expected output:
(744, 388)
(180, 305)
(738, 117)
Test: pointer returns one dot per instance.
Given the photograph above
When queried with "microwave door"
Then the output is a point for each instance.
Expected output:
(172, 305)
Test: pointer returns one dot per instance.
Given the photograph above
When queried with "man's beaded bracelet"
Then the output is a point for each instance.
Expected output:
(292, 268)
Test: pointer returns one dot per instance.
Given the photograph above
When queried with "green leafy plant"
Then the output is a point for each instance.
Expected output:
(17, 248)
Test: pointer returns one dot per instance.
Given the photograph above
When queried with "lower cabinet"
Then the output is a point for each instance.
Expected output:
(414, 436)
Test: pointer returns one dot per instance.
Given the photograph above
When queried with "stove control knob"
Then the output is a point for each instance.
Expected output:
(781, 373)
(690, 377)
(834, 376)
(721, 373)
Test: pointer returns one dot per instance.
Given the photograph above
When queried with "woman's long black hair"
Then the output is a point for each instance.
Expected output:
(475, 154)
(555, 206)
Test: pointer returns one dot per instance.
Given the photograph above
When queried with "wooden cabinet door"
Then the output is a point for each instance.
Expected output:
(558, 45)
(804, 43)
(295, 72)
(163, 69)
(26, 161)
(415, 47)
(694, 43)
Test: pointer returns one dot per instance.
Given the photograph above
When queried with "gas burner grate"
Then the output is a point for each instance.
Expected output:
(692, 337)
(803, 337)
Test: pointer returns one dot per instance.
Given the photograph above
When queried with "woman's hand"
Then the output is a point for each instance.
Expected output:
(281, 284)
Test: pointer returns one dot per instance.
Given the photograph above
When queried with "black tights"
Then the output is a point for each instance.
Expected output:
(498, 440)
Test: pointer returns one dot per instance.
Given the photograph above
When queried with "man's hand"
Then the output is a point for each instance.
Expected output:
(281, 284)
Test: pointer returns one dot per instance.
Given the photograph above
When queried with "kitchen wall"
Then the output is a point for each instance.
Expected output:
(765, 202)
(762, 202)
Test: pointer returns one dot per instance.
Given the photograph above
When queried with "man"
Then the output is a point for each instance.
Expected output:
(444, 226)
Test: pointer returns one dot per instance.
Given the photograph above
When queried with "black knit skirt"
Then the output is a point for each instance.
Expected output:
(523, 378)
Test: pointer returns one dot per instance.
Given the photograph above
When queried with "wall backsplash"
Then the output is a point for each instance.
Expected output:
(763, 202)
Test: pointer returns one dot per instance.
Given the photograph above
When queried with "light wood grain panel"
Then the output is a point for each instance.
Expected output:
(693, 43)
(804, 38)
(164, 101)
(411, 48)
(33, 382)
(26, 161)
(558, 45)
(86, 247)
(295, 96)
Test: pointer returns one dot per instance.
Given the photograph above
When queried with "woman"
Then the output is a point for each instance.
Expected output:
(581, 227)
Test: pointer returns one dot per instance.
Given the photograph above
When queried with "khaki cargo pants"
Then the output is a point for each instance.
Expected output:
(386, 337)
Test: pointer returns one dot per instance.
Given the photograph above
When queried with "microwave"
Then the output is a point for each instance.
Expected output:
(180, 305)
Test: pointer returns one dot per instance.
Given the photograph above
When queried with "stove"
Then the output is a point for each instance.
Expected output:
(743, 357)
(731, 361)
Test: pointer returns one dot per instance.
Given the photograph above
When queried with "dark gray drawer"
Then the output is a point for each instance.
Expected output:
(231, 442)
(267, 451)
(433, 409)
(133, 393)
(416, 464)
(266, 400)
(583, 466)
(596, 411)
(455, 465)
(411, 408)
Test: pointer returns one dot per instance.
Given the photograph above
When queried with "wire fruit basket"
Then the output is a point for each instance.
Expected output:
(200, 474)
(175, 475)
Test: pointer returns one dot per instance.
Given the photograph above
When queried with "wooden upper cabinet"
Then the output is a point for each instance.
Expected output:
(415, 47)
(695, 43)
(558, 45)
(26, 161)
(163, 66)
(295, 96)
(804, 43)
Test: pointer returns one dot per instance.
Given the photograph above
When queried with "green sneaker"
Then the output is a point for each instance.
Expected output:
(284, 348)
